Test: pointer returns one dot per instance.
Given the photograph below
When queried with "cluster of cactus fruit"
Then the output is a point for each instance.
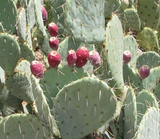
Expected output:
(99, 75)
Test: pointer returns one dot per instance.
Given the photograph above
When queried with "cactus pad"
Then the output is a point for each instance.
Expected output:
(131, 45)
(10, 100)
(150, 58)
(19, 84)
(131, 77)
(148, 13)
(114, 51)
(8, 15)
(22, 25)
(87, 24)
(27, 52)
(130, 115)
(31, 14)
(80, 111)
(54, 80)
(149, 126)
(132, 20)
(9, 54)
(24, 66)
(145, 99)
(147, 39)
(152, 80)
(22, 126)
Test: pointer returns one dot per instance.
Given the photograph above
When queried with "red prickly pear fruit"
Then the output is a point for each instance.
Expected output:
(54, 59)
(44, 14)
(127, 55)
(54, 43)
(144, 71)
(82, 56)
(37, 69)
(71, 58)
(94, 58)
(53, 29)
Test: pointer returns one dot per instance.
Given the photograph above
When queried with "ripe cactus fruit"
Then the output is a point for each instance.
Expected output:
(144, 71)
(82, 56)
(44, 14)
(127, 55)
(53, 29)
(37, 69)
(94, 58)
(54, 43)
(71, 58)
(54, 59)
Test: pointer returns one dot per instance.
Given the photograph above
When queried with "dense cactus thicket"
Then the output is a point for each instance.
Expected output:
(100, 73)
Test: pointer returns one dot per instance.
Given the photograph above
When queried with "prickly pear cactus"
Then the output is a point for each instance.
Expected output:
(16, 126)
(52, 80)
(8, 15)
(113, 52)
(10, 53)
(149, 121)
(87, 24)
(107, 100)
(75, 102)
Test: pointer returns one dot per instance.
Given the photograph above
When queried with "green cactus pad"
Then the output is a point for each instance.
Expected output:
(131, 45)
(27, 52)
(43, 109)
(23, 66)
(147, 39)
(157, 90)
(130, 115)
(131, 77)
(145, 99)
(149, 126)
(22, 25)
(29, 38)
(43, 43)
(10, 100)
(38, 16)
(132, 20)
(22, 126)
(9, 54)
(46, 64)
(150, 58)
(110, 7)
(79, 111)
(1, 28)
(54, 80)
(152, 80)
(117, 123)
(58, 12)
(19, 85)
(31, 14)
(113, 51)
(148, 13)
(8, 15)
(87, 24)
